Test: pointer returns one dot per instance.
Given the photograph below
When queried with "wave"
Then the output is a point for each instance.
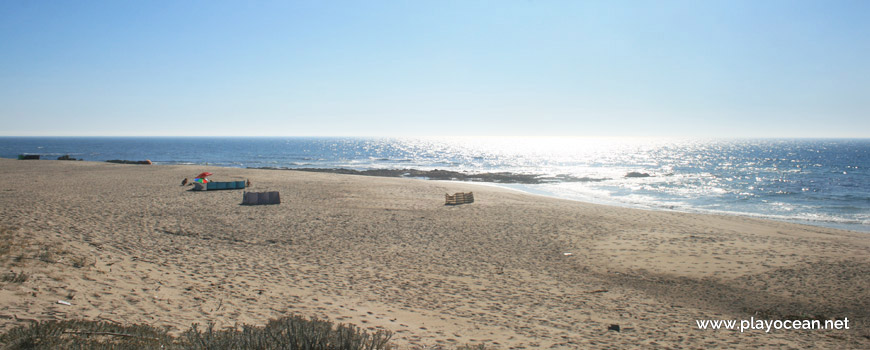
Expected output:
(843, 218)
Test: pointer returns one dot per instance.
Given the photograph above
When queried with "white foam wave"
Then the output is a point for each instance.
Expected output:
(780, 211)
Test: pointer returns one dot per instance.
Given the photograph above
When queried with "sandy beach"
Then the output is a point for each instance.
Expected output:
(128, 244)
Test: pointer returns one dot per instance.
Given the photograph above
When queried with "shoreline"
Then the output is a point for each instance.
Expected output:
(129, 244)
(505, 179)
(846, 226)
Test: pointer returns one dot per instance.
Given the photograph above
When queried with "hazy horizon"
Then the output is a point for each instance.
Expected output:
(720, 69)
(479, 137)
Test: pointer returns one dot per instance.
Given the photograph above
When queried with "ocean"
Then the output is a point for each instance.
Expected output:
(822, 182)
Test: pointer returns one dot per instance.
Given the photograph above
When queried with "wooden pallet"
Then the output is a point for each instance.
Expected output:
(459, 198)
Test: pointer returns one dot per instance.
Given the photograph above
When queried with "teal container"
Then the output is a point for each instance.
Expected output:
(240, 184)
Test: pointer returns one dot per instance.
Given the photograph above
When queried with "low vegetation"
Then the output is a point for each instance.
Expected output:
(292, 332)
(19, 250)
(14, 277)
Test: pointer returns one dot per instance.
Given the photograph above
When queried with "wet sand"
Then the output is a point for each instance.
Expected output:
(127, 243)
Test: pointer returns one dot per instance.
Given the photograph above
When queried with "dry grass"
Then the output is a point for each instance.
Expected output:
(293, 332)
(18, 250)
(14, 277)
(8, 242)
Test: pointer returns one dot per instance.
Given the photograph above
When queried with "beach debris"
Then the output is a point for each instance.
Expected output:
(64, 302)
(568, 254)
(459, 198)
(613, 327)
(598, 291)
(260, 198)
(248, 182)
(28, 157)
(184, 182)
(16, 318)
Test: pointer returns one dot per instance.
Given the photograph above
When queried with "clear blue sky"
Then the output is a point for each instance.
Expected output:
(416, 68)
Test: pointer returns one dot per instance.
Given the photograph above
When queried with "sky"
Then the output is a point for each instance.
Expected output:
(435, 68)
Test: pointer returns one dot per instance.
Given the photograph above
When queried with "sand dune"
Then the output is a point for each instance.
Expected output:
(126, 243)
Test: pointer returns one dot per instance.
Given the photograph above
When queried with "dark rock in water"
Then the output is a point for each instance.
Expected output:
(65, 157)
(500, 177)
(613, 327)
(119, 161)
(637, 174)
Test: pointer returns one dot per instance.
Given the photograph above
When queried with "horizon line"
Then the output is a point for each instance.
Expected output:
(443, 136)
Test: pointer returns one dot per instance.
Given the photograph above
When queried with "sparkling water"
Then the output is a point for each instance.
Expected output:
(816, 181)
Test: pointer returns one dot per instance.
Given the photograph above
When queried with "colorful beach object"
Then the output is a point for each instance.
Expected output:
(208, 185)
